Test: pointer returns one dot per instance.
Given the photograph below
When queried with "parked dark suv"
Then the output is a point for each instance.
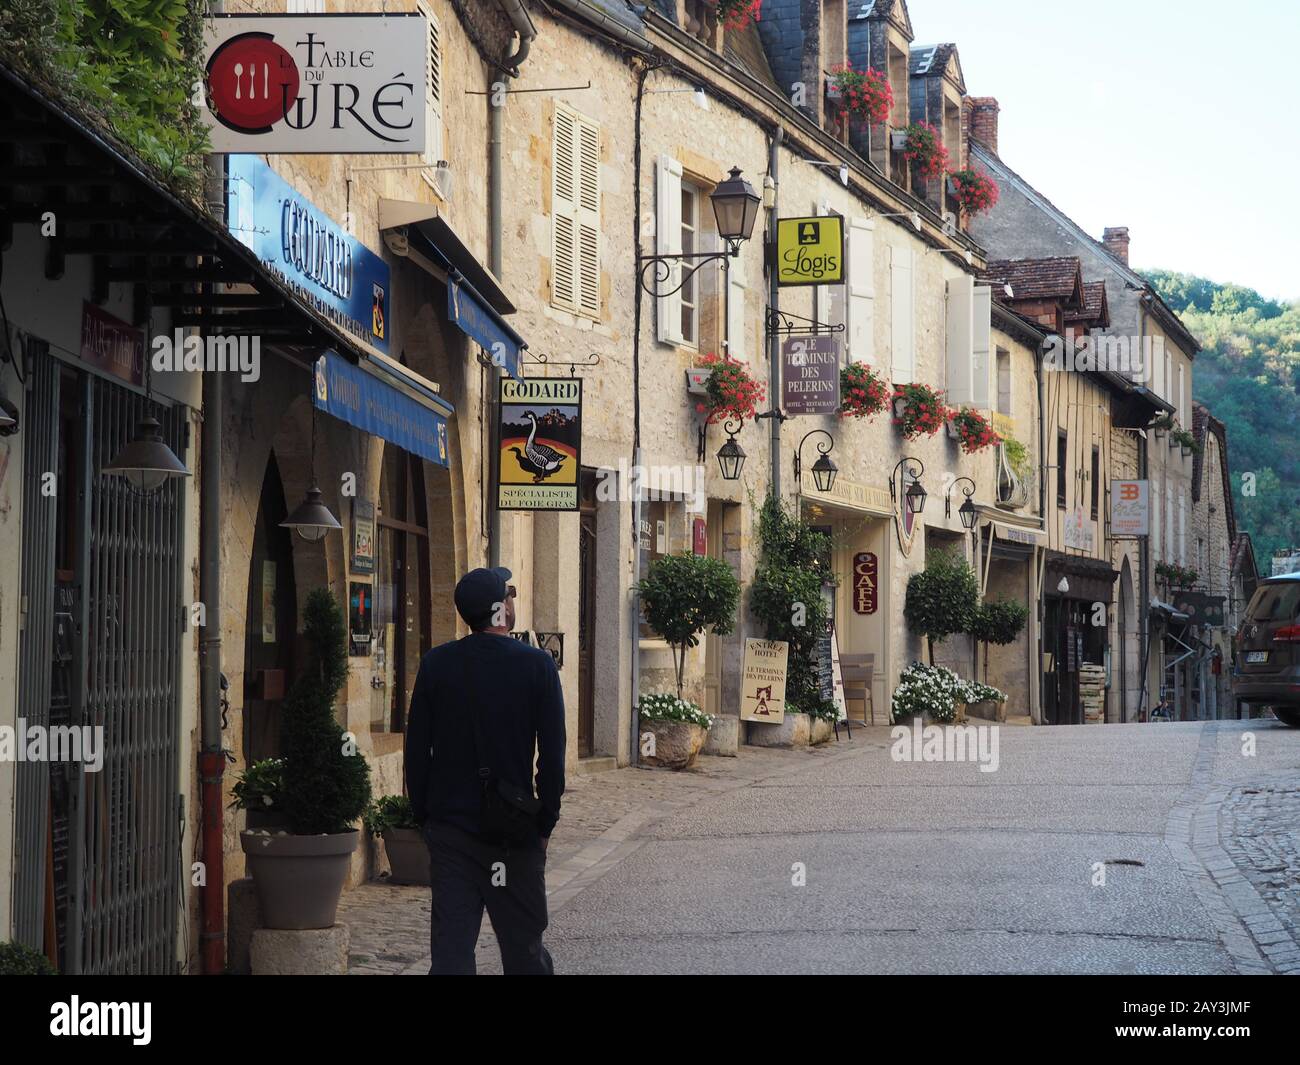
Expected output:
(1268, 649)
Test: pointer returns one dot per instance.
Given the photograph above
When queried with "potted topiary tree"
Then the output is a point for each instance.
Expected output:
(299, 873)
(390, 818)
(941, 599)
(999, 622)
(18, 960)
(682, 596)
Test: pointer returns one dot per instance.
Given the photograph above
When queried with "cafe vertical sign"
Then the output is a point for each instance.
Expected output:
(540, 435)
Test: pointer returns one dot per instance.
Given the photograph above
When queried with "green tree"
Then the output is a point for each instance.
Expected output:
(998, 621)
(941, 599)
(326, 783)
(682, 595)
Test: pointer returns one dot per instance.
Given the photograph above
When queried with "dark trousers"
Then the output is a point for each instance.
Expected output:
(468, 873)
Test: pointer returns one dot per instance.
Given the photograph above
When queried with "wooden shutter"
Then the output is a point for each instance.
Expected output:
(981, 352)
(588, 219)
(859, 333)
(564, 212)
(668, 241)
(901, 325)
(432, 92)
(960, 339)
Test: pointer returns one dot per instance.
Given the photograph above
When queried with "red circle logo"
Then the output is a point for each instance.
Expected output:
(252, 83)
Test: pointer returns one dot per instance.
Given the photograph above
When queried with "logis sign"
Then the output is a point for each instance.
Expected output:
(346, 84)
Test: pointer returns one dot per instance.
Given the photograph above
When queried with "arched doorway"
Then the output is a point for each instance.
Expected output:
(271, 621)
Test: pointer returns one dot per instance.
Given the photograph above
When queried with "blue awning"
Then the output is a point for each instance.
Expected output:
(467, 310)
(385, 400)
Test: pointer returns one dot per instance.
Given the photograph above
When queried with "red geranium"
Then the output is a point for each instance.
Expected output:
(732, 392)
(737, 14)
(974, 433)
(925, 149)
(863, 392)
(975, 192)
(923, 412)
(864, 92)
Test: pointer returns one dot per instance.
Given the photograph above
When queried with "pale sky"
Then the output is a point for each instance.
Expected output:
(1177, 118)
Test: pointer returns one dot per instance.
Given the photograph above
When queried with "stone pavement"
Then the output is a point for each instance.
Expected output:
(919, 867)
(601, 812)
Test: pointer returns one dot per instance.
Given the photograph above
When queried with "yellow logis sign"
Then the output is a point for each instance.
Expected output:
(810, 251)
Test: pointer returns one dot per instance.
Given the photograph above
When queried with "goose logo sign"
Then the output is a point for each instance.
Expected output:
(342, 84)
(541, 443)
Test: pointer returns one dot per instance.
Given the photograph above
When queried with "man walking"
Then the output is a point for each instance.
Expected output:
(481, 706)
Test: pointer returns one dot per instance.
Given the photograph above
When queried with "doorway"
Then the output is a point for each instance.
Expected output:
(272, 621)
(587, 613)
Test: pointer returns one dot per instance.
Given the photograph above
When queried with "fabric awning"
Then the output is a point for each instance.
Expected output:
(476, 302)
(385, 399)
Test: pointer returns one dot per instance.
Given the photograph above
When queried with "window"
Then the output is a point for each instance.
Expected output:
(661, 534)
(1004, 382)
(1183, 412)
(1155, 522)
(690, 243)
(304, 7)
(433, 153)
(1096, 482)
(901, 315)
(575, 215)
(1061, 454)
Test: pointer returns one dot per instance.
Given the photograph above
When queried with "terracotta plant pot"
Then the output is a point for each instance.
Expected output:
(298, 878)
(408, 857)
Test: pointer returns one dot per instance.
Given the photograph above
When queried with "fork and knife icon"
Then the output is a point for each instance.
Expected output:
(252, 81)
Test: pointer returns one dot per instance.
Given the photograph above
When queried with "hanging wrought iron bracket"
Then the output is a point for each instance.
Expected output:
(574, 365)
(775, 412)
(824, 449)
(908, 471)
(784, 324)
(967, 492)
(656, 271)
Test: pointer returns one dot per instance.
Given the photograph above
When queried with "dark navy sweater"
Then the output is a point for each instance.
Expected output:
(517, 690)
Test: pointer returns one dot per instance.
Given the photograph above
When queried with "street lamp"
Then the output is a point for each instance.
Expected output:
(312, 518)
(146, 462)
(824, 469)
(735, 209)
(731, 456)
(915, 493)
(966, 511)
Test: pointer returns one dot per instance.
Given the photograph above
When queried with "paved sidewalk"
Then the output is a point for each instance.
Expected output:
(601, 815)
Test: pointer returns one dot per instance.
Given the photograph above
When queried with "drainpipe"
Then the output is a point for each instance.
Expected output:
(1144, 544)
(212, 755)
(523, 25)
(774, 302)
(1041, 604)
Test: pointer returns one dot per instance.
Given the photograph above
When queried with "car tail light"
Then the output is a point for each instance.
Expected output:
(1287, 634)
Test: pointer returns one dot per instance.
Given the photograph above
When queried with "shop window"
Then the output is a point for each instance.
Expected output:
(1062, 452)
(663, 532)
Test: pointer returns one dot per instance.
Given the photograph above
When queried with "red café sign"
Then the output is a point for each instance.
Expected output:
(110, 345)
(864, 582)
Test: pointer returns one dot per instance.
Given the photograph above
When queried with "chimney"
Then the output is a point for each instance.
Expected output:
(984, 121)
(1116, 240)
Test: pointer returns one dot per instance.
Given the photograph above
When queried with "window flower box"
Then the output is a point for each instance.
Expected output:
(918, 410)
(975, 192)
(863, 391)
(923, 147)
(972, 430)
(732, 392)
(898, 139)
(864, 93)
(737, 14)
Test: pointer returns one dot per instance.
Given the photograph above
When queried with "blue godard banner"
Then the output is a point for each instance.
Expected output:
(475, 320)
(352, 395)
(328, 267)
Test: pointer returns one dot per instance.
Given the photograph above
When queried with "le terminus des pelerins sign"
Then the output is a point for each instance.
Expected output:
(336, 83)
(328, 267)
(540, 434)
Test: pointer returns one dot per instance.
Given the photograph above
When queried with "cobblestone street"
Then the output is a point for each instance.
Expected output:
(918, 867)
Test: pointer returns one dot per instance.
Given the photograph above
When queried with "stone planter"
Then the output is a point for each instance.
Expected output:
(408, 857)
(822, 731)
(898, 139)
(676, 743)
(299, 878)
(794, 731)
(989, 710)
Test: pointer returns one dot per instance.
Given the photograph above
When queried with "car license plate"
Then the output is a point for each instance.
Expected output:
(1256, 656)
